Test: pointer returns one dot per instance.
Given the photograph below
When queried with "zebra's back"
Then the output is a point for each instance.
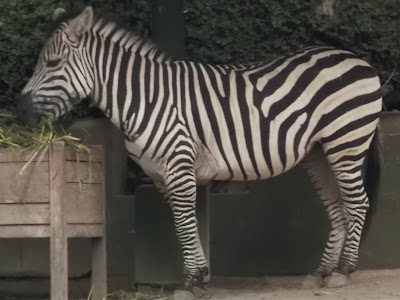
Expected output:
(260, 120)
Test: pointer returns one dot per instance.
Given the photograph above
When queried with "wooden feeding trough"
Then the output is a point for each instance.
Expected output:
(58, 195)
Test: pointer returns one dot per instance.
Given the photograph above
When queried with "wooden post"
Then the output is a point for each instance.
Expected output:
(58, 236)
(99, 254)
(99, 268)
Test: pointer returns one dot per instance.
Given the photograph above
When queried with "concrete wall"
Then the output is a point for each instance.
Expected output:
(278, 227)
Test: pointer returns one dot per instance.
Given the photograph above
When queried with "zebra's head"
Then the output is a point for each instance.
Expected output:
(62, 76)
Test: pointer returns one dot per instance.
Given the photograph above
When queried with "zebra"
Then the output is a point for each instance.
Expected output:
(187, 122)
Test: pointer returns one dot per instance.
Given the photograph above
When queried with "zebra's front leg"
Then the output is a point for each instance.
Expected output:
(181, 193)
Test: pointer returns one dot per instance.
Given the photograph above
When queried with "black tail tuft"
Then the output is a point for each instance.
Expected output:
(372, 179)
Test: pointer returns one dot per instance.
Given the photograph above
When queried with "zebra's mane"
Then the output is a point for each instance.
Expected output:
(129, 40)
(109, 27)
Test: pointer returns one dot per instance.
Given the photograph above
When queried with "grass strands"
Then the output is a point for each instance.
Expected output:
(15, 135)
(149, 293)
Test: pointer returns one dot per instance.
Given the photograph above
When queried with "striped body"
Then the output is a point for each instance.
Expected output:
(254, 122)
(187, 122)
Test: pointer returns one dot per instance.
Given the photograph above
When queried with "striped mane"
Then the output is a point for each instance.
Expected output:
(107, 28)
(129, 40)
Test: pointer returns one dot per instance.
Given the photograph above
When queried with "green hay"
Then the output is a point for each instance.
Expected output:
(146, 294)
(14, 134)
(38, 139)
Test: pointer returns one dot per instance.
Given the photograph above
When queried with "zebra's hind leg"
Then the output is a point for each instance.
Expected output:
(356, 204)
(346, 160)
(325, 184)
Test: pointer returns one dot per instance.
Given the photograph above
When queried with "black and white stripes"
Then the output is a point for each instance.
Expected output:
(186, 122)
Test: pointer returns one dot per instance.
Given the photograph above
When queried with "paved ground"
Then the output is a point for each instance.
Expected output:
(367, 285)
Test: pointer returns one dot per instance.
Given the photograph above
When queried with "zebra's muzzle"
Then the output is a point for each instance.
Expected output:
(25, 111)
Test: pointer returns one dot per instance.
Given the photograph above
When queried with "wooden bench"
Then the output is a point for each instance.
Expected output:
(59, 194)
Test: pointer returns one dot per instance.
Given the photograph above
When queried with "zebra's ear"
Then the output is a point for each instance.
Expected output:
(80, 24)
(58, 13)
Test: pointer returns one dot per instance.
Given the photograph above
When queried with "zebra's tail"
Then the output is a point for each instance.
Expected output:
(372, 178)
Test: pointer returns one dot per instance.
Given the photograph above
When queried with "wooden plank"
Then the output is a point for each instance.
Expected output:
(58, 236)
(84, 230)
(20, 214)
(96, 154)
(24, 231)
(83, 203)
(31, 185)
(84, 172)
(43, 231)
(22, 155)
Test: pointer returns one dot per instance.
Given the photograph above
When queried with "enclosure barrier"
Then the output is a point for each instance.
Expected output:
(57, 193)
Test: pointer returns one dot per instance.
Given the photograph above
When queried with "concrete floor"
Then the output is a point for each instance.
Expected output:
(366, 285)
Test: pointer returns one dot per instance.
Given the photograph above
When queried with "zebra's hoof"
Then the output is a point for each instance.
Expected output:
(201, 293)
(337, 280)
(183, 295)
(313, 282)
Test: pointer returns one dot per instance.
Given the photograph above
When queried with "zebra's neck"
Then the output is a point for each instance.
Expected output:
(122, 84)
(140, 89)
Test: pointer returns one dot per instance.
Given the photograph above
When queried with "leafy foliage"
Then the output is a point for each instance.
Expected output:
(224, 31)
(19, 44)
(370, 29)
(25, 25)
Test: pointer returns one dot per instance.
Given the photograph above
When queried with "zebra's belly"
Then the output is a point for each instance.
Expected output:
(245, 174)
(206, 166)
(209, 168)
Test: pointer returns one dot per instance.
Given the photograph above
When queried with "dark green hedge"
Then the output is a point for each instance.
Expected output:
(239, 31)
(22, 31)
(217, 31)
(26, 24)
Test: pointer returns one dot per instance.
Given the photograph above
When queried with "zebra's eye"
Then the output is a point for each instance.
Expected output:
(53, 62)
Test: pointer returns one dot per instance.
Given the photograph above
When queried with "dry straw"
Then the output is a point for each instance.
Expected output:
(15, 135)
